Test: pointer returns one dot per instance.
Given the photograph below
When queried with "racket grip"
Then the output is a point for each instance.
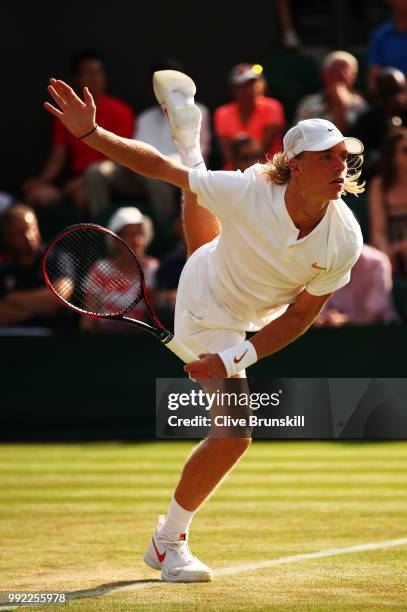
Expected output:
(182, 351)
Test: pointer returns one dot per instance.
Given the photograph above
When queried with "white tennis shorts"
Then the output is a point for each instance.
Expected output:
(201, 322)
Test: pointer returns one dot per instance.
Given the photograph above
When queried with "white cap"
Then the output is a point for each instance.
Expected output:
(128, 215)
(317, 135)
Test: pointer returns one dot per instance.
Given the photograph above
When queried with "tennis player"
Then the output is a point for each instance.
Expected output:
(267, 248)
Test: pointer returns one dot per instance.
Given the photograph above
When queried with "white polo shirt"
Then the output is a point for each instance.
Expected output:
(257, 266)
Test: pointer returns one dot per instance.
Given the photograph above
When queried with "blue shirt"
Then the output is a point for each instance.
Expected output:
(388, 47)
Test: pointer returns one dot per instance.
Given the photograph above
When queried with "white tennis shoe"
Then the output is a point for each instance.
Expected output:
(175, 559)
(175, 93)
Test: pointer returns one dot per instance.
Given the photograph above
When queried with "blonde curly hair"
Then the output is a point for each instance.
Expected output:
(278, 171)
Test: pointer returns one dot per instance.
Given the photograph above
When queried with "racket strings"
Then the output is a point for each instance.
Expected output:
(104, 273)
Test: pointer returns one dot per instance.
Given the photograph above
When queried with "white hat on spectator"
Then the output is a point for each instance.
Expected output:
(242, 73)
(317, 135)
(128, 215)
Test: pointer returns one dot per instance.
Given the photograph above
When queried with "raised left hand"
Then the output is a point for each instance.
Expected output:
(78, 116)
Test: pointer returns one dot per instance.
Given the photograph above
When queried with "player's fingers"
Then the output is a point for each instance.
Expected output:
(188, 367)
(87, 96)
(197, 371)
(65, 90)
(57, 97)
(53, 110)
(56, 85)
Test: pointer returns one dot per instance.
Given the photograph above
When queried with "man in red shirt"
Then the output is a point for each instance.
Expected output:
(88, 69)
(251, 114)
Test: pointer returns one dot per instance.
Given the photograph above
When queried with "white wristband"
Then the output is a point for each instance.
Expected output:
(238, 357)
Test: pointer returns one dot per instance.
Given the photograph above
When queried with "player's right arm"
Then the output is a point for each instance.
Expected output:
(270, 339)
(79, 117)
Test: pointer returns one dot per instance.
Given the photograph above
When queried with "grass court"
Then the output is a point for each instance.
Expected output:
(77, 518)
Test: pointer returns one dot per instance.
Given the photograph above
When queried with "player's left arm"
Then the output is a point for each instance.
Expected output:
(271, 338)
(79, 118)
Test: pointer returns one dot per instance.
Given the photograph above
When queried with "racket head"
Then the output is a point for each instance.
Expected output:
(93, 271)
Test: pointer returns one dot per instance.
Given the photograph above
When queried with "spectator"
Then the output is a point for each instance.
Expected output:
(107, 178)
(250, 114)
(25, 301)
(338, 102)
(137, 232)
(388, 202)
(244, 153)
(88, 70)
(388, 44)
(366, 299)
(390, 112)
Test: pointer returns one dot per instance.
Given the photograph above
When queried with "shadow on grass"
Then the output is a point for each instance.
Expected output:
(110, 587)
(96, 591)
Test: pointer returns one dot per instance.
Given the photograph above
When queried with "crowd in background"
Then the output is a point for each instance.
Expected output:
(246, 130)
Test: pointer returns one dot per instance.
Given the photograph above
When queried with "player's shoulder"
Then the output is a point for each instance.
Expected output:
(256, 173)
(268, 195)
(344, 214)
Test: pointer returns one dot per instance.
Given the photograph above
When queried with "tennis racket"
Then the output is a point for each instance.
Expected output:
(95, 273)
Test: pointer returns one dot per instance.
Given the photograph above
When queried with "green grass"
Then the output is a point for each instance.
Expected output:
(75, 517)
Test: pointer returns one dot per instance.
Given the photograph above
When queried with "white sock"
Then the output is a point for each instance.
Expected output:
(178, 521)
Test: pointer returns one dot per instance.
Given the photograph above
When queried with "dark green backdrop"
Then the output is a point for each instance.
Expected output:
(105, 386)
